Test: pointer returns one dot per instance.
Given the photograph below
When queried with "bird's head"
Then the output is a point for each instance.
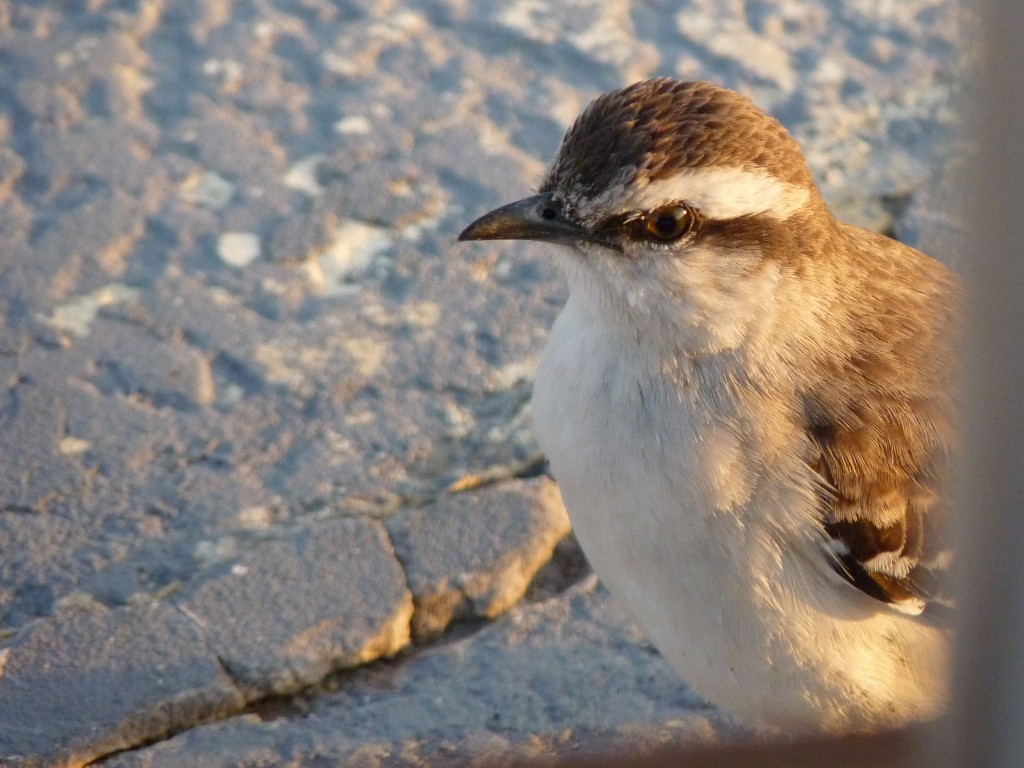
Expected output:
(678, 200)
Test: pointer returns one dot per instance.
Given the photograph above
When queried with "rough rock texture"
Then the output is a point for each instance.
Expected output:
(92, 680)
(472, 554)
(274, 617)
(572, 658)
(252, 396)
(282, 614)
(270, 614)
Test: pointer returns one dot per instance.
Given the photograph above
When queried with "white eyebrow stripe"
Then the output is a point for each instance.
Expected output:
(725, 193)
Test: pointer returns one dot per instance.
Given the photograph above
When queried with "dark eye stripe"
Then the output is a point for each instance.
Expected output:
(753, 230)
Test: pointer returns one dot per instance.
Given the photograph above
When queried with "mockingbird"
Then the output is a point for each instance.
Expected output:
(748, 407)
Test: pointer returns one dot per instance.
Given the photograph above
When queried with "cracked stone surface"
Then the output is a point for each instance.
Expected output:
(473, 554)
(261, 420)
(141, 672)
(274, 611)
(327, 597)
(537, 659)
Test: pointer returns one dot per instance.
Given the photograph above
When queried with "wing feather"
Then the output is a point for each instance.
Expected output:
(880, 426)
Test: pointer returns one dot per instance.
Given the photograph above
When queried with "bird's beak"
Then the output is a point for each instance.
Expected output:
(534, 218)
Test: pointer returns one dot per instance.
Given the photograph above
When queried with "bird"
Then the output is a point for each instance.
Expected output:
(749, 408)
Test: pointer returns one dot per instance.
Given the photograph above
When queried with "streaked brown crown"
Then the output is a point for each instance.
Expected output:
(659, 127)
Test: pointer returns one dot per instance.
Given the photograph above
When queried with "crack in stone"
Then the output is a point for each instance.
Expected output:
(404, 568)
(233, 702)
(200, 626)
(566, 568)
(534, 466)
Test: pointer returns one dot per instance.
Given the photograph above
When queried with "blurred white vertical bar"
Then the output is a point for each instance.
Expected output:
(989, 706)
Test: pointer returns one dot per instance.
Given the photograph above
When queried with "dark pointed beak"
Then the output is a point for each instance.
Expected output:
(535, 218)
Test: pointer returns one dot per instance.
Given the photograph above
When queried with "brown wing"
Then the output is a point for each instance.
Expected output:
(881, 431)
(882, 509)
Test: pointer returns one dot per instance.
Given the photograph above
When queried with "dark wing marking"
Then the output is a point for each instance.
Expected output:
(881, 433)
(882, 510)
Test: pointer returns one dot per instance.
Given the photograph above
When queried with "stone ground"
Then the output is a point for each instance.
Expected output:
(269, 493)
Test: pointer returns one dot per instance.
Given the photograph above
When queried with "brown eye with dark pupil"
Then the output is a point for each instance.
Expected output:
(669, 222)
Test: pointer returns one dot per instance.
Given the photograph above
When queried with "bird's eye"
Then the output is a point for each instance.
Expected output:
(669, 222)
